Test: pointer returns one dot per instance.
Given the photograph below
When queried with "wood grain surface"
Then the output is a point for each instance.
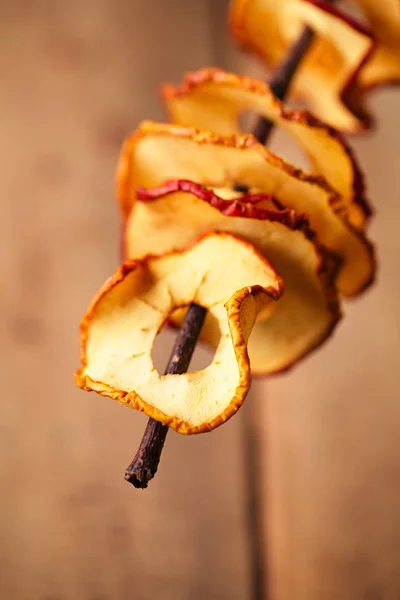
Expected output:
(76, 76)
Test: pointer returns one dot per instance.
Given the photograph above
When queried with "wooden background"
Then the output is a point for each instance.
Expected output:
(76, 76)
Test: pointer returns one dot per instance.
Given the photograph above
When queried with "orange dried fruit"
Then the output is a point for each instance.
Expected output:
(327, 79)
(121, 324)
(212, 99)
(158, 152)
(384, 18)
(175, 214)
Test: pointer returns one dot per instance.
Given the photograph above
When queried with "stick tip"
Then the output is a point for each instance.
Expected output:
(139, 476)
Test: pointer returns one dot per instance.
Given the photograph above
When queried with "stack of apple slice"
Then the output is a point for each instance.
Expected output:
(272, 261)
(176, 184)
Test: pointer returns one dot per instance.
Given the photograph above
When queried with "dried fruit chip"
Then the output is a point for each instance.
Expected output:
(158, 152)
(120, 326)
(384, 19)
(327, 77)
(212, 99)
(178, 212)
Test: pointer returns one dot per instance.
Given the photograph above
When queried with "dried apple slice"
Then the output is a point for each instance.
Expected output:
(175, 214)
(384, 19)
(212, 99)
(158, 152)
(327, 77)
(120, 326)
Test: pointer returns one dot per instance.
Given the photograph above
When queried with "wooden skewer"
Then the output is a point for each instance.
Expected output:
(144, 466)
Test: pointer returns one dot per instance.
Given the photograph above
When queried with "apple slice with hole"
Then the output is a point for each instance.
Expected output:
(158, 152)
(176, 213)
(121, 324)
(212, 99)
(327, 79)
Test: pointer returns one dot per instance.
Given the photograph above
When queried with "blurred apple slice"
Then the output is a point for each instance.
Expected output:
(212, 99)
(121, 324)
(384, 19)
(327, 77)
(158, 152)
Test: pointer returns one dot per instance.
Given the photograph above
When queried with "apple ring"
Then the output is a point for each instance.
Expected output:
(121, 324)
